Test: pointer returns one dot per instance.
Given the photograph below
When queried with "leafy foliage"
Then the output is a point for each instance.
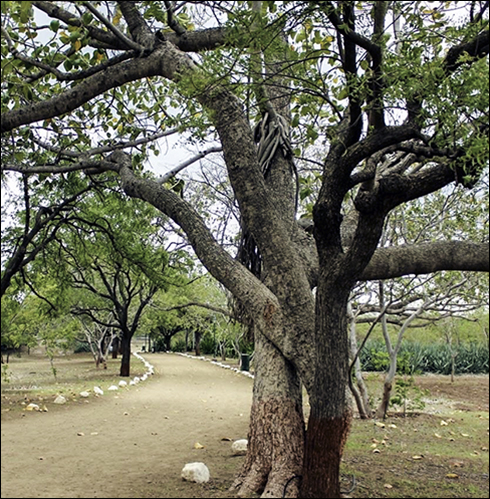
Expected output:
(471, 358)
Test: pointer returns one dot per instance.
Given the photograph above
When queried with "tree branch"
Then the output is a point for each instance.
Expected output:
(106, 38)
(207, 306)
(477, 48)
(387, 263)
(185, 164)
(130, 44)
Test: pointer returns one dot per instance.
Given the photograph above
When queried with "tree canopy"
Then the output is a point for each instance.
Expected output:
(379, 103)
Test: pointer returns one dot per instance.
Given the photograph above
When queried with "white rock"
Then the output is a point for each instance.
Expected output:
(136, 379)
(132, 383)
(195, 472)
(123, 383)
(60, 400)
(113, 388)
(239, 447)
(84, 394)
(98, 390)
(33, 407)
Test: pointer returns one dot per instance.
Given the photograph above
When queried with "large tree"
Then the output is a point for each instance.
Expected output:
(394, 92)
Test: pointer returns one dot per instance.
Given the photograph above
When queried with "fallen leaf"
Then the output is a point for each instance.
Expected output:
(443, 423)
(226, 439)
(387, 486)
(392, 425)
(417, 458)
(381, 425)
(80, 434)
(197, 445)
(464, 435)
(376, 451)
(452, 475)
(437, 435)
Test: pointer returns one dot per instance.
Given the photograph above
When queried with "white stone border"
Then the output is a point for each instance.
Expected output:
(122, 383)
(216, 363)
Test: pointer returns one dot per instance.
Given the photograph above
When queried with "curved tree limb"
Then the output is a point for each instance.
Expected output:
(387, 263)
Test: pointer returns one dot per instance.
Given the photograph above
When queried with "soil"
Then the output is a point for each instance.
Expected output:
(133, 442)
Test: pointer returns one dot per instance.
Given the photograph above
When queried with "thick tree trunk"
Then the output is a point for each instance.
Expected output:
(331, 412)
(126, 354)
(276, 436)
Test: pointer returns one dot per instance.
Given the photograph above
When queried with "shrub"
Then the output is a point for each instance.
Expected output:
(471, 358)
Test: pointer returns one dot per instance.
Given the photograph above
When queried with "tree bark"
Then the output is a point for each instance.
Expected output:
(115, 346)
(331, 413)
(276, 435)
(385, 400)
(126, 354)
(360, 391)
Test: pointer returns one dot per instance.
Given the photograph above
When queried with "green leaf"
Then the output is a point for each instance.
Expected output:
(54, 25)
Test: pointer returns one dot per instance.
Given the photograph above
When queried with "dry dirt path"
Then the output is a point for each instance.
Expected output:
(135, 441)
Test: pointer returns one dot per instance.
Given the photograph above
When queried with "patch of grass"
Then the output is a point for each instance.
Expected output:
(30, 378)
(417, 457)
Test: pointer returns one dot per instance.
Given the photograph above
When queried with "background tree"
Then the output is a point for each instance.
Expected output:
(107, 252)
(403, 114)
(419, 301)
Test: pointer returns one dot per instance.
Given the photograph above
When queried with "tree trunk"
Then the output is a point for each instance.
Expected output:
(197, 342)
(276, 435)
(360, 392)
(331, 412)
(387, 386)
(385, 400)
(115, 347)
(126, 354)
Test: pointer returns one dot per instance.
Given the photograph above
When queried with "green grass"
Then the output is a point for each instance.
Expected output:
(31, 378)
(417, 454)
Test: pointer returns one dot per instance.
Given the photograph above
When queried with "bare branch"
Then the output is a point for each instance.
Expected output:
(90, 167)
(187, 163)
(392, 262)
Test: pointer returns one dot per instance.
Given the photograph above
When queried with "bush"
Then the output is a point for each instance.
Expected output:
(208, 345)
(471, 358)
(178, 345)
(81, 347)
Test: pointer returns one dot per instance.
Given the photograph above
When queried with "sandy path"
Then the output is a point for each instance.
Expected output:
(136, 441)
